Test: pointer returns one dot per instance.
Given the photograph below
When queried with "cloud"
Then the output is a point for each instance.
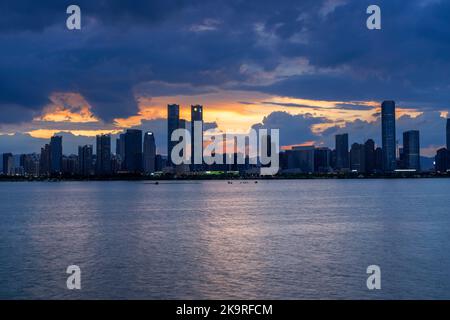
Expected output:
(127, 51)
(294, 129)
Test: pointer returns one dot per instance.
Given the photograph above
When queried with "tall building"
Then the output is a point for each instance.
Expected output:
(70, 164)
(149, 159)
(448, 134)
(442, 160)
(103, 162)
(369, 156)
(44, 160)
(160, 163)
(173, 123)
(322, 160)
(196, 139)
(301, 159)
(85, 160)
(388, 135)
(378, 160)
(411, 150)
(30, 164)
(357, 158)
(120, 146)
(56, 154)
(342, 161)
(8, 164)
(133, 151)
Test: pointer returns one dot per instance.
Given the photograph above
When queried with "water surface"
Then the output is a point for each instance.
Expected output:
(298, 239)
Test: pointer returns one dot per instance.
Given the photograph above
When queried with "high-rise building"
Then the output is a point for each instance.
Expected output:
(149, 153)
(70, 164)
(448, 134)
(8, 164)
(161, 162)
(103, 162)
(388, 136)
(442, 160)
(378, 160)
(173, 123)
(357, 158)
(56, 153)
(369, 156)
(196, 137)
(85, 160)
(44, 160)
(342, 161)
(322, 160)
(30, 164)
(411, 150)
(301, 159)
(120, 146)
(133, 151)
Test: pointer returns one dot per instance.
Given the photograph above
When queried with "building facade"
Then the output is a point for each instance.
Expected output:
(56, 154)
(173, 123)
(133, 151)
(196, 137)
(411, 150)
(388, 136)
(85, 160)
(103, 151)
(342, 156)
(149, 158)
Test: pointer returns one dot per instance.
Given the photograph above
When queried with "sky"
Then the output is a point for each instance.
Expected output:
(310, 68)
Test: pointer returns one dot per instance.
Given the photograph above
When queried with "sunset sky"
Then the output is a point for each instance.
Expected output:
(310, 68)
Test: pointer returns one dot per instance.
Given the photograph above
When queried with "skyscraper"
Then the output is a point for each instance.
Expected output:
(388, 135)
(369, 156)
(322, 160)
(442, 160)
(301, 158)
(133, 151)
(149, 158)
(44, 160)
(411, 149)
(378, 160)
(357, 158)
(173, 123)
(85, 167)
(196, 137)
(120, 146)
(448, 134)
(56, 154)
(103, 163)
(342, 161)
(8, 164)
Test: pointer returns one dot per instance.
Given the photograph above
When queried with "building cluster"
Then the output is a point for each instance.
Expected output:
(365, 158)
(136, 153)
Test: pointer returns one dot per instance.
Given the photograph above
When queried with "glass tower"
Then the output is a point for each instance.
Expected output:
(388, 136)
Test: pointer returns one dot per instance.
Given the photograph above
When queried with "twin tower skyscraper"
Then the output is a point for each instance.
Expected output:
(174, 122)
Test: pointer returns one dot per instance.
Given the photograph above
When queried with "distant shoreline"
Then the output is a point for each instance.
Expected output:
(205, 177)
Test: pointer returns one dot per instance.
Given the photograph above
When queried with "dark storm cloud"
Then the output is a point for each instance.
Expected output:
(294, 129)
(124, 45)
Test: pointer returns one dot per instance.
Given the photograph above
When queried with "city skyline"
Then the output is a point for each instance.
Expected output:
(136, 153)
(269, 68)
